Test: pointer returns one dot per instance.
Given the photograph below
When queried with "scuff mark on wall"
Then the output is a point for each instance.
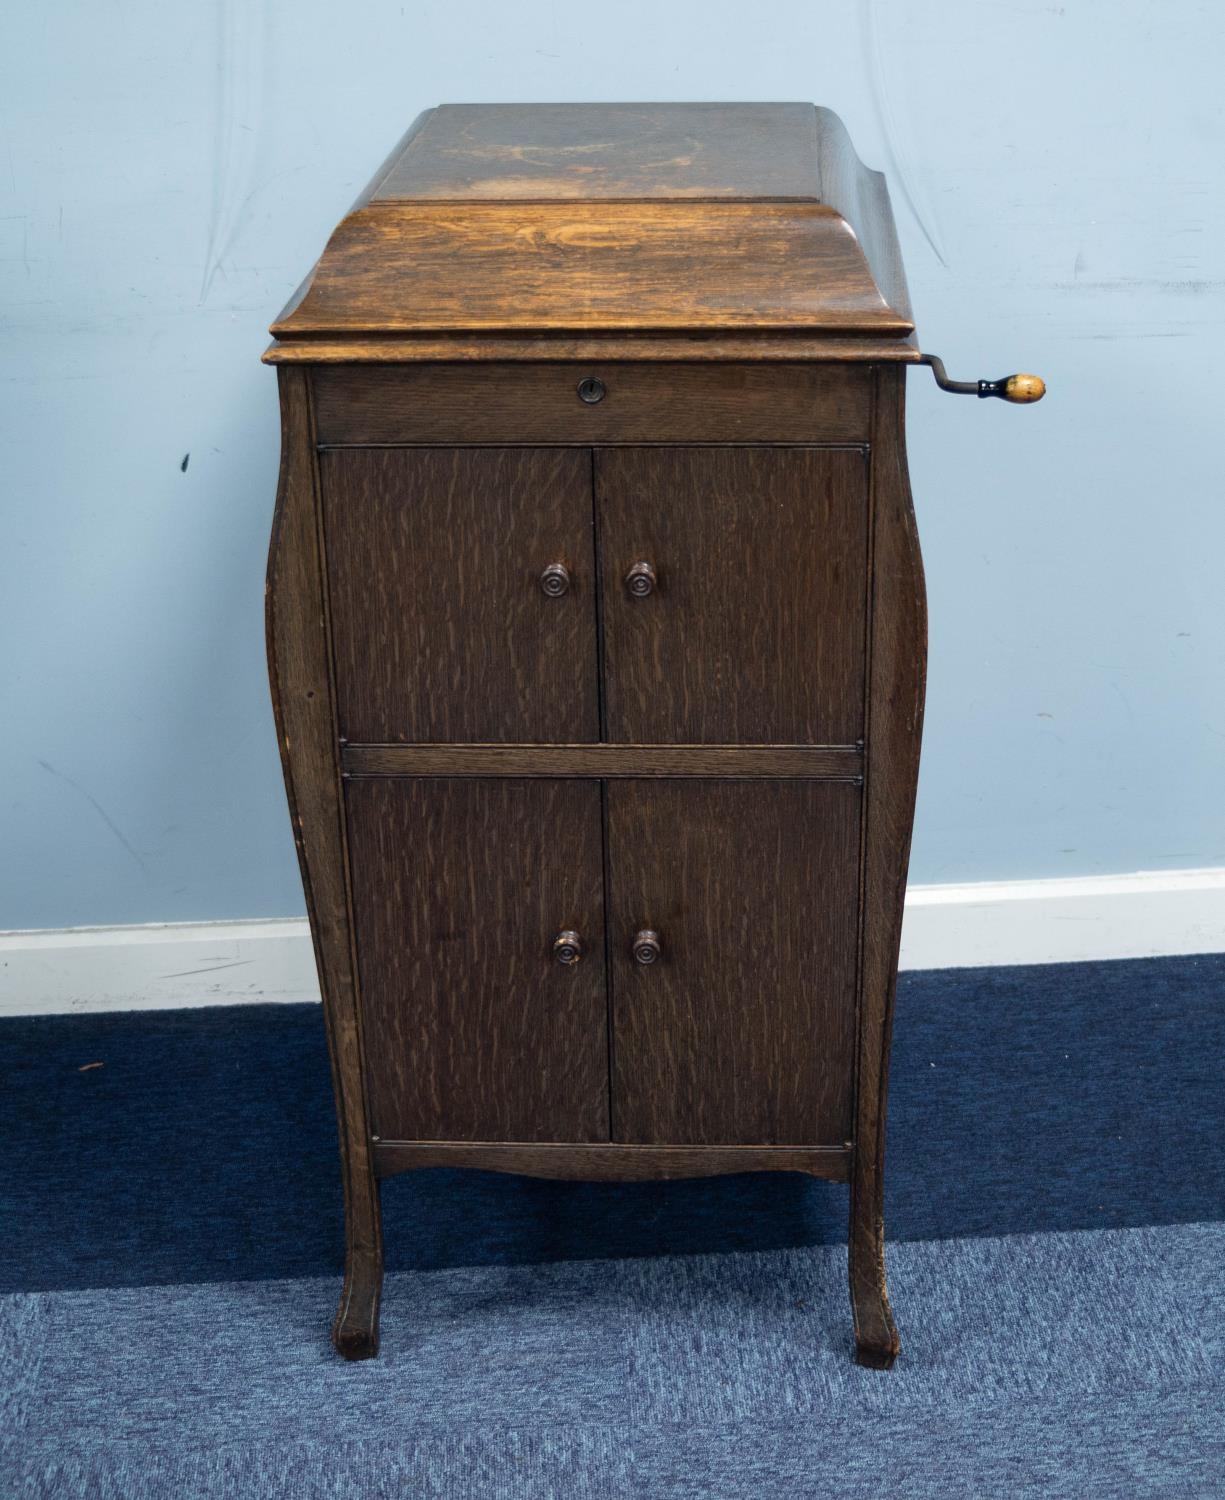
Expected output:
(235, 963)
(243, 26)
(98, 808)
(901, 176)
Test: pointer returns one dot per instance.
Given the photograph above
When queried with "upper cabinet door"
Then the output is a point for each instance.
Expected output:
(734, 585)
(462, 594)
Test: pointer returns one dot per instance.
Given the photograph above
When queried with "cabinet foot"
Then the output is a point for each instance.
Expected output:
(874, 1357)
(876, 1337)
(355, 1333)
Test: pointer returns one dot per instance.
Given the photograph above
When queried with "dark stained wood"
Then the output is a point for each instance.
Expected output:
(617, 1163)
(862, 198)
(440, 627)
(742, 1032)
(302, 703)
(755, 630)
(495, 747)
(897, 678)
(384, 349)
(837, 763)
(503, 219)
(363, 198)
(530, 152)
(528, 403)
(605, 266)
(459, 889)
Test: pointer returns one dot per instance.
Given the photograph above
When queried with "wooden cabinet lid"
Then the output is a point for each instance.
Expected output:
(592, 220)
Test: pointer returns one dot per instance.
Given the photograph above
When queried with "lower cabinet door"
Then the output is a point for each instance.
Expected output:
(733, 915)
(474, 1028)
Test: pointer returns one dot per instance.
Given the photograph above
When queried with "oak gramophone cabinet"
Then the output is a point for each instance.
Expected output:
(596, 626)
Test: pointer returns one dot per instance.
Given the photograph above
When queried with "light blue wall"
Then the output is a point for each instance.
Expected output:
(170, 171)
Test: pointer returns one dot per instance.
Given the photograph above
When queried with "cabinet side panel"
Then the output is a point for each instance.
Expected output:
(897, 675)
(474, 1030)
(302, 703)
(742, 1031)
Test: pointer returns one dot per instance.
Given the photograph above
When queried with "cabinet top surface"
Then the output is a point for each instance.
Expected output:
(525, 152)
(671, 220)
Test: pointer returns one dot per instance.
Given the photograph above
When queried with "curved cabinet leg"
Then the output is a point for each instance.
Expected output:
(897, 666)
(355, 1331)
(876, 1337)
(303, 704)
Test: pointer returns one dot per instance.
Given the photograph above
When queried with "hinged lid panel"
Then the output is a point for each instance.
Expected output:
(506, 220)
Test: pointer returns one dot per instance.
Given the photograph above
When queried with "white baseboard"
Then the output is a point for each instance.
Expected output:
(155, 967)
(1151, 914)
(164, 967)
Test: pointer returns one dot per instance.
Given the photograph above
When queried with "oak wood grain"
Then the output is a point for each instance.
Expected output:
(731, 274)
(608, 266)
(303, 705)
(832, 762)
(742, 1032)
(755, 631)
(529, 152)
(688, 218)
(467, 403)
(692, 347)
(862, 198)
(439, 624)
(617, 1163)
(895, 714)
(474, 1031)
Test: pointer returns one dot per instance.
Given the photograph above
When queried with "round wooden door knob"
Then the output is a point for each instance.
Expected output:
(555, 581)
(647, 946)
(640, 580)
(1024, 388)
(567, 947)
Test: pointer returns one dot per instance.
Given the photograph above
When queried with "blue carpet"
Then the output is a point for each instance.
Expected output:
(171, 1240)
(1085, 1365)
(1080, 1096)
